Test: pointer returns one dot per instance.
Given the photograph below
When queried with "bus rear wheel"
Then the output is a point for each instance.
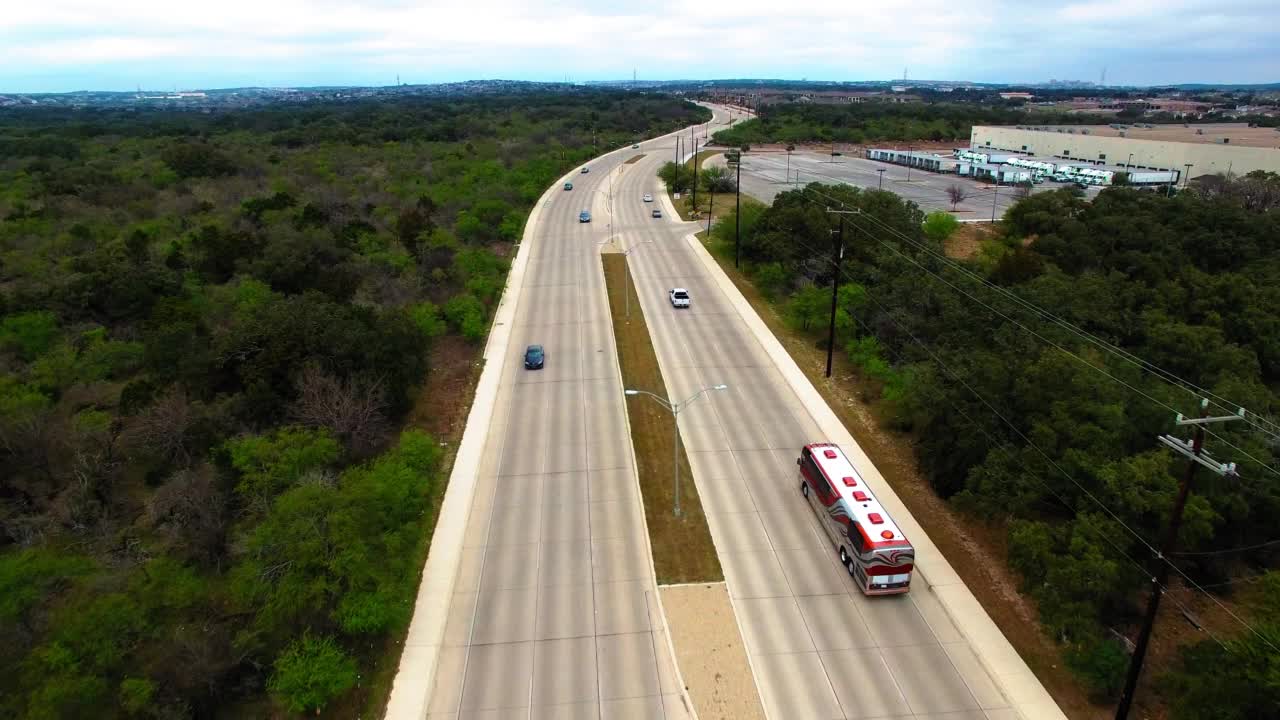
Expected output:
(804, 488)
(846, 561)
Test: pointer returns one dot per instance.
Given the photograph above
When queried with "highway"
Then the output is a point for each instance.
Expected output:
(553, 612)
(818, 647)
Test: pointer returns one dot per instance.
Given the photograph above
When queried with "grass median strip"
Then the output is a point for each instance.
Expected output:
(682, 547)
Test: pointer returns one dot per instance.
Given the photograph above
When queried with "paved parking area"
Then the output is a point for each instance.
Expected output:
(765, 174)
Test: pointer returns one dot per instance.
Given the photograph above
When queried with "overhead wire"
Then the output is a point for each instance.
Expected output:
(1245, 548)
(1165, 375)
(1260, 422)
(1002, 445)
(1155, 553)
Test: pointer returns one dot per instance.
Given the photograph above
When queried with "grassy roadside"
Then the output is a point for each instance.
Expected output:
(685, 207)
(682, 547)
(965, 544)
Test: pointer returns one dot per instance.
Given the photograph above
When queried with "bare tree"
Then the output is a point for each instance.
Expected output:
(957, 193)
(191, 508)
(162, 428)
(353, 409)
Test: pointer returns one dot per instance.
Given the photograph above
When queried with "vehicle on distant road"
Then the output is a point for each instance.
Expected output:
(657, 213)
(872, 549)
(584, 216)
(568, 186)
(586, 170)
(679, 297)
(648, 197)
(635, 146)
(534, 357)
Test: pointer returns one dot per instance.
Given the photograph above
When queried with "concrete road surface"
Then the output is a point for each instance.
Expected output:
(553, 612)
(765, 174)
(818, 647)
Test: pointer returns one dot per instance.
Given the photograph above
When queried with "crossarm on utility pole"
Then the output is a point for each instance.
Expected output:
(1194, 452)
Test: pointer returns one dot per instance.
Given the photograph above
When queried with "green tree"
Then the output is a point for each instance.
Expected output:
(29, 334)
(808, 307)
(939, 225)
(271, 463)
(311, 672)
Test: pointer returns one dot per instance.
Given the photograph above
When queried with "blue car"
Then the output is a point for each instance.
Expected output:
(534, 357)
(584, 216)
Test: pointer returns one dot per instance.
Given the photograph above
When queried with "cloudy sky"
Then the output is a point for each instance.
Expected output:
(62, 45)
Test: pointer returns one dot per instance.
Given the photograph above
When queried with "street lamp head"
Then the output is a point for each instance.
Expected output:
(631, 392)
(720, 387)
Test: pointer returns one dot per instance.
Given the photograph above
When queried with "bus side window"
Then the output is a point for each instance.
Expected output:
(855, 538)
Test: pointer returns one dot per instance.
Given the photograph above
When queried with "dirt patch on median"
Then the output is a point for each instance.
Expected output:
(709, 649)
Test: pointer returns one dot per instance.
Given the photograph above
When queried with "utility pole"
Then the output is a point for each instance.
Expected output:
(880, 183)
(693, 205)
(1194, 452)
(733, 158)
(838, 256)
(909, 159)
(995, 197)
(710, 206)
(1186, 181)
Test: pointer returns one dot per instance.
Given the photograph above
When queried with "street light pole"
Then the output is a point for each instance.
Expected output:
(880, 184)
(626, 275)
(674, 408)
(995, 197)
(909, 159)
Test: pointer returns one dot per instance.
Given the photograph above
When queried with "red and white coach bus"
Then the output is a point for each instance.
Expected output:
(874, 551)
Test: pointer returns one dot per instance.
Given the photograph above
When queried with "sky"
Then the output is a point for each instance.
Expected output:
(66, 45)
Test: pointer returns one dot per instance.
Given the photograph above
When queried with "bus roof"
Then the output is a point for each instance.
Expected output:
(866, 509)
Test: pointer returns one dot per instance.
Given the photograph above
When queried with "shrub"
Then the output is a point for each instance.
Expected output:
(311, 672)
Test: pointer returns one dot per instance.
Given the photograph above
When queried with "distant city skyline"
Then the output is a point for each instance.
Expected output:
(68, 45)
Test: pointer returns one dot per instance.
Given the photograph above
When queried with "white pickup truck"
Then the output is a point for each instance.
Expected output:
(679, 297)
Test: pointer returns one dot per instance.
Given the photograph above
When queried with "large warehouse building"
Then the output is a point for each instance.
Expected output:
(1208, 149)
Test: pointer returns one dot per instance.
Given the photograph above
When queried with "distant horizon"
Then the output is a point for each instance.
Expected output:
(59, 46)
(1055, 84)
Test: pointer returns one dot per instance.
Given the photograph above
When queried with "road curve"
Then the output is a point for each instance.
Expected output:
(553, 612)
(818, 647)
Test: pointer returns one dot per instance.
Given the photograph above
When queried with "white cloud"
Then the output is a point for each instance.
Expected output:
(592, 38)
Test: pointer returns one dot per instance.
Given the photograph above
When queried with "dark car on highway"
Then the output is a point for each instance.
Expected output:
(534, 357)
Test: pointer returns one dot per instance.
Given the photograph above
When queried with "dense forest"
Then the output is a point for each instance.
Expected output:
(211, 329)
(878, 121)
(1048, 430)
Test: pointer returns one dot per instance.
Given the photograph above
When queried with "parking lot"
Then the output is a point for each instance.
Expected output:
(765, 174)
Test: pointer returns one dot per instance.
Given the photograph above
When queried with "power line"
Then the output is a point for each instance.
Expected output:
(1222, 439)
(1162, 559)
(1165, 375)
(1246, 548)
(1260, 423)
(1007, 422)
